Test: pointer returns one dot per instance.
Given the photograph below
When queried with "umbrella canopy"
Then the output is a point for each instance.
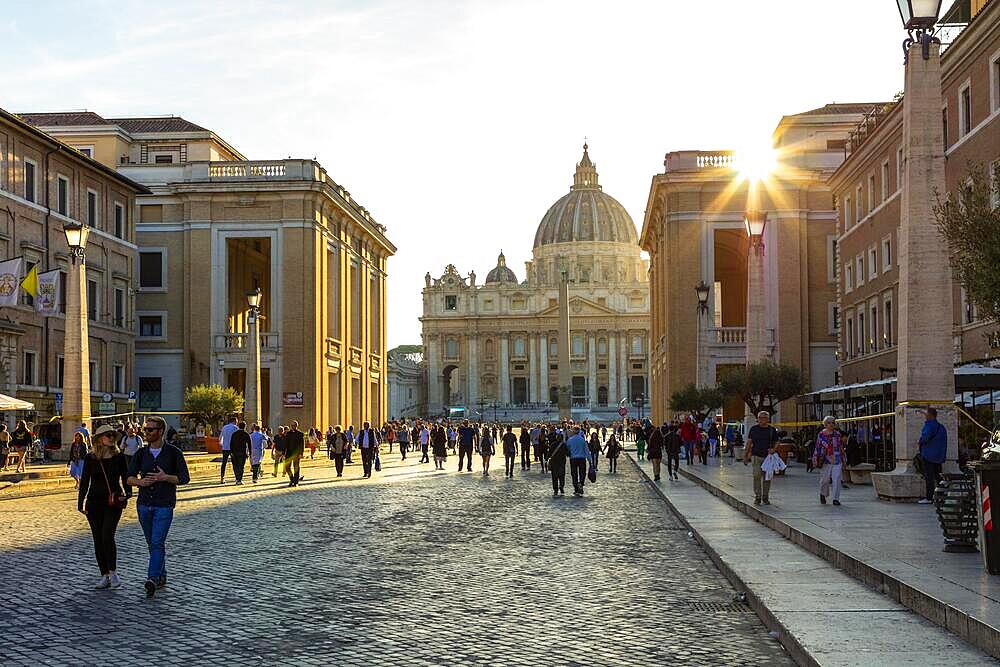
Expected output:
(11, 403)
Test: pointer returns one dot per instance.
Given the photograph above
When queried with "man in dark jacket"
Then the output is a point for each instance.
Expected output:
(654, 451)
(295, 445)
(368, 442)
(556, 455)
(672, 447)
(239, 449)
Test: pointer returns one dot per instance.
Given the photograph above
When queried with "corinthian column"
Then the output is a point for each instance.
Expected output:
(504, 370)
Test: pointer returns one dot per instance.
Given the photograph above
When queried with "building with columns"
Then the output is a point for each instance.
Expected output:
(406, 382)
(216, 226)
(496, 344)
(694, 231)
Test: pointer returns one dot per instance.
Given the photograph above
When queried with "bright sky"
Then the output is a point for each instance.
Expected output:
(457, 124)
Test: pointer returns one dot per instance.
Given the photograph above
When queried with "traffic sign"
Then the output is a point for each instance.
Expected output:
(623, 411)
(131, 396)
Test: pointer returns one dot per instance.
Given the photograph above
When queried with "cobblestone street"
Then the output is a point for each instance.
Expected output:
(412, 568)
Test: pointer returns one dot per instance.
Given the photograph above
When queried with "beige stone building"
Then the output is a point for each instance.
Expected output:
(44, 185)
(495, 344)
(407, 382)
(218, 225)
(694, 231)
(868, 191)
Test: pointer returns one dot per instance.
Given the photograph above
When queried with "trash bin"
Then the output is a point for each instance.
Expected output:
(988, 486)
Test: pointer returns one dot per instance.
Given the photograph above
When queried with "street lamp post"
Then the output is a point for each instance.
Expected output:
(924, 365)
(76, 339)
(756, 308)
(702, 290)
(251, 409)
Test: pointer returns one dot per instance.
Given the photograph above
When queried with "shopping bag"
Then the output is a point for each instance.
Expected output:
(378, 464)
(592, 473)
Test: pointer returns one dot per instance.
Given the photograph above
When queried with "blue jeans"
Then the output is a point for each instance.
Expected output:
(155, 522)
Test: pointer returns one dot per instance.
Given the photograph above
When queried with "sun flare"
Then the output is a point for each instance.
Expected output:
(756, 163)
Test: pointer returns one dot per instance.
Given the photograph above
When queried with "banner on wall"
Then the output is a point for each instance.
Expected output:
(47, 299)
(10, 281)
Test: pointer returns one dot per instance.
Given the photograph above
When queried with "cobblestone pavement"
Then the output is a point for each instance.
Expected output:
(412, 568)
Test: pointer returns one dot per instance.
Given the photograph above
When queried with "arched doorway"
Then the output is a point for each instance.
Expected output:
(449, 380)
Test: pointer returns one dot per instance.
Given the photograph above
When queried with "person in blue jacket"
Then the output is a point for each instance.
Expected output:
(933, 451)
(579, 455)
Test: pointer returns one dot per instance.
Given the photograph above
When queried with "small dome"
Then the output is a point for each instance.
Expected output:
(586, 213)
(500, 273)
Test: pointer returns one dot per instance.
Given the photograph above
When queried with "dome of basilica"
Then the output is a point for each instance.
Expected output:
(501, 273)
(586, 213)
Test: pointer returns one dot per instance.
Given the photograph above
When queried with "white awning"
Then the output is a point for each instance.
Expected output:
(11, 403)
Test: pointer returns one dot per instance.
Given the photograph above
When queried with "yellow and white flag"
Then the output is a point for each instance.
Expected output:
(10, 281)
(47, 299)
(30, 282)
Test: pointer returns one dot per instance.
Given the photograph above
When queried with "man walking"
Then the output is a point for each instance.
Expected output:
(337, 448)
(762, 439)
(579, 454)
(403, 438)
(672, 447)
(468, 437)
(157, 469)
(425, 441)
(933, 450)
(654, 452)
(225, 440)
(295, 447)
(556, 455)
(239, 446)
(368, 443)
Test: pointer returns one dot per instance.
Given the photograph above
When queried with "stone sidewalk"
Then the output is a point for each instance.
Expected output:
(895, 548)
(821, 615)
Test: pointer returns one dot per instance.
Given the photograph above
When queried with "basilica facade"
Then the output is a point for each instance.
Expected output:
(496, 344)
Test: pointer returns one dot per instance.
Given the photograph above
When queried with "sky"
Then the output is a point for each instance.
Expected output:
(457, 124)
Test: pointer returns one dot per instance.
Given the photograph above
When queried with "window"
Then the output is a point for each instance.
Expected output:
(450, 302)
(859, 212)
(862, 345)
(886, 254)
(873, 324)
(95, 376)
(92, 300)
(60, 370)
(28, 369)
(859, 271)
(118, 379)
(62, 292)
(850, 336)
(871, 193)
(944, 125)
(150, 326)
(92, 208)
(965, 109)
(120, 220)
(163, 159)
(85, 150)
(872, 263)
(119, 307)
(899, 168)
(149, 393)
(887, 320)
(553, 348)
(832, 318)
(62, 195)
(375, 315)
(602, 347)
(847, 214)
(848, 278)
(885, 180)
(451, 348)
(151, 270)
(519, 346)
(30, 187)
(578, 346)
(637, 346)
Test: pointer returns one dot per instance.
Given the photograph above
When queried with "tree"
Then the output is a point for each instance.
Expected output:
(212, 405)
(970, 225)
(763, 384)
(698, 402)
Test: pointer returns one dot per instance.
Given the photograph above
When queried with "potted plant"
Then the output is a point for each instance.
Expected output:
(210, 406)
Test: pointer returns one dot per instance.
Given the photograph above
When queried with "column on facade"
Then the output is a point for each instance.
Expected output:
(613, 395)
(433, 374)
(623, 383)
(532, 369)
(592, 370)
(543, 367)
(504, 374)
(472, 374)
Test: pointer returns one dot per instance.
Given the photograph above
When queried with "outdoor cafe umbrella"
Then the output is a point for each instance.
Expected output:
(11, 403)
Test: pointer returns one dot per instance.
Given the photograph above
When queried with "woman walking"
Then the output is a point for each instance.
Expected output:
(830, 456)
(439, 446)
(525, 441)
(509, 451)
(486, 449)
(313, 442)
(612, 450)
(640, 443)
(77, 453)
(102, 496)
(20, 440)
(655, 452)
(594, 444)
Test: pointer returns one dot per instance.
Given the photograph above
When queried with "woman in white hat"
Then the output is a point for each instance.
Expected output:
(102, 497)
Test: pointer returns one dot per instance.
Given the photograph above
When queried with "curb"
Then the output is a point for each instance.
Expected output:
(797, 652)
(981, 635)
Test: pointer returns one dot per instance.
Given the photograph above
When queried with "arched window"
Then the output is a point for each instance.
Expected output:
(489, 348)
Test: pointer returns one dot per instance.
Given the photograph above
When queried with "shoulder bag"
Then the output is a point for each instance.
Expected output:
(116, 501)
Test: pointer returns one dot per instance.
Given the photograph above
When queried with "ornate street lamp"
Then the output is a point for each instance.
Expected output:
(76, 338)
(76, 238)
(702, 290)
(919, 18)
(253, 298)
(251, 409)
(755, 222)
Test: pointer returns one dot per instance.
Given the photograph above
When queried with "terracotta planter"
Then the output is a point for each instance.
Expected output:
(212, 445)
